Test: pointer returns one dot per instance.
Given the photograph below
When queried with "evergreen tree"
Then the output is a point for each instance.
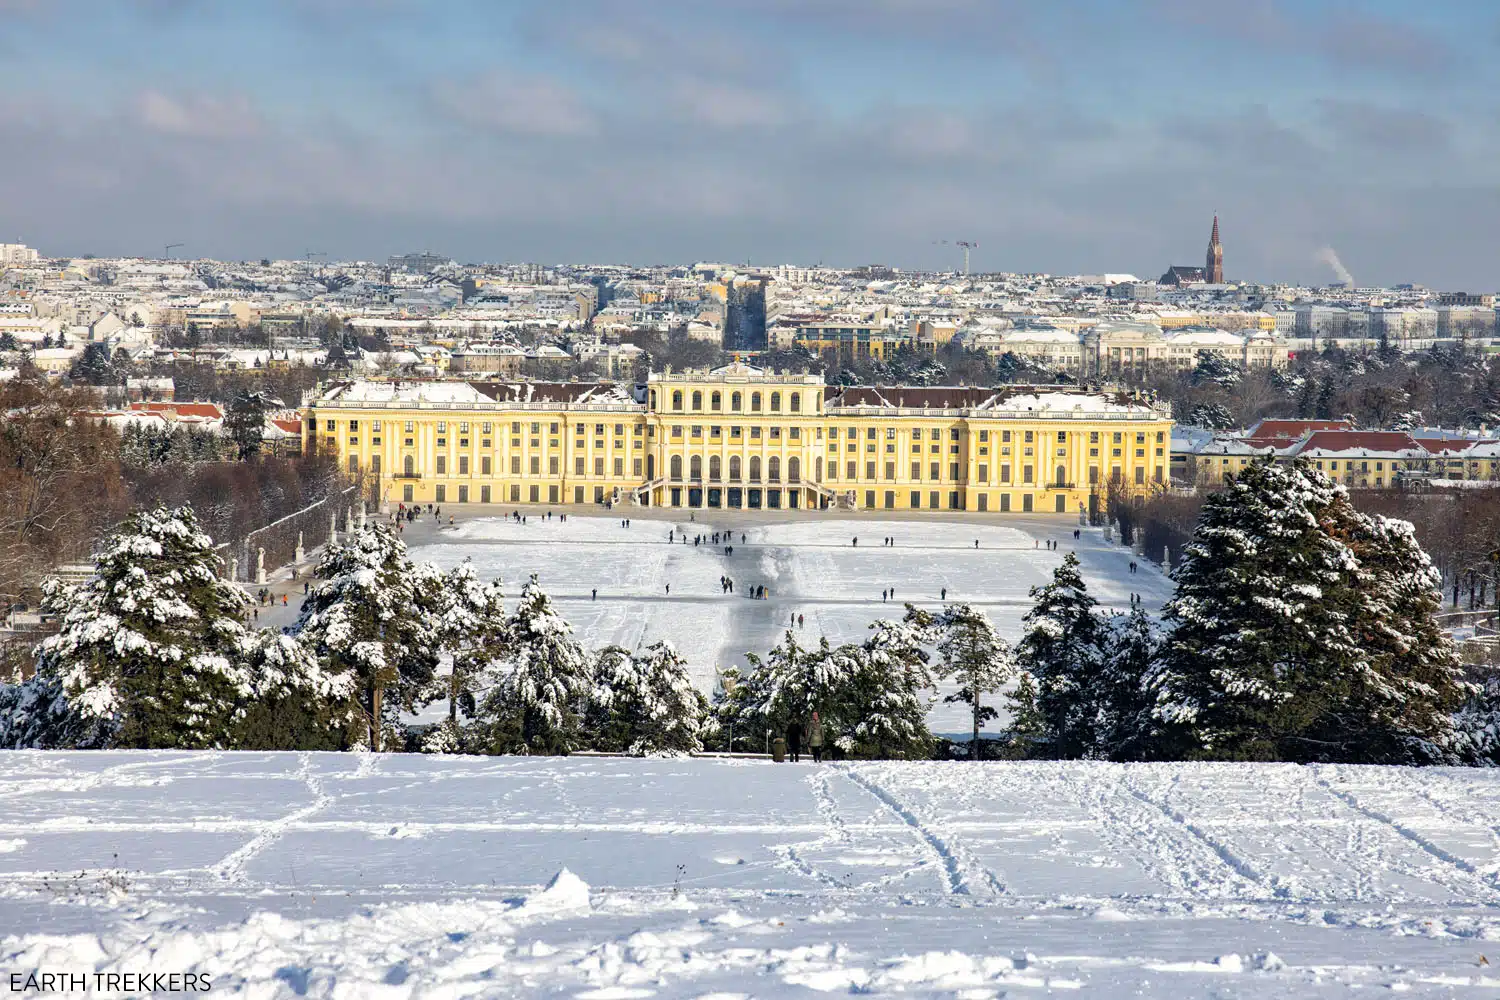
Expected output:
(974, 655)
(1307, 397)
(1214, 416)
(146, 655)
(295, 704)
(1026, 722)
(1409, 682)
(471, 628)
(1260, 620)
(95, 366)
(1478, 721)
(871, 698)
(889, 700)
(1214, 369)
(1323, 406)
(1304, 630)
(1124, 725)
(245, 422)
(366, 618)
(539, 685)
(645, 703)
(1062, 648)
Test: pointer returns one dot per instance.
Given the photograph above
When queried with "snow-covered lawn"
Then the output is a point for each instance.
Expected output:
(810, 568)
(400, 876)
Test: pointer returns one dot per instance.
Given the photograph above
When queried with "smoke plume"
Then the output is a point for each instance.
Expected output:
(1329, 256)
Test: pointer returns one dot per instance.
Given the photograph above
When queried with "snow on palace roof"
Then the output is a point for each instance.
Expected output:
(1009, 400)
(447, 392)
(404, 392)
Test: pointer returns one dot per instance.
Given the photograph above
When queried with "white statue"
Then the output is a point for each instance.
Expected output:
(333, 526)
(361, 518)
(349, 520)
(234, 569)
(1166, 557)
(260, 565)
(301, 553)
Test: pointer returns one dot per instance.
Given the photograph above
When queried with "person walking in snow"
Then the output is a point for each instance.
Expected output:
(801, 622)
(669, 590)
(595, 595)
(856, 541)
(794, 741)
(944, 594)
(815, 738)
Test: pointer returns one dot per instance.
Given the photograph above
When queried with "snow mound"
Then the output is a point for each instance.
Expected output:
(565, 893)
(7, 846)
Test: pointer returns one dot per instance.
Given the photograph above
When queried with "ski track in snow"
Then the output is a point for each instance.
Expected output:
(960, 869)
(1460, 876)
(232, 868)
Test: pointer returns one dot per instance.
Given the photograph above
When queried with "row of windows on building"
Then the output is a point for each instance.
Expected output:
(716, 432)
(772, 467)
(736, 400)
(890, 433)
(732, 497)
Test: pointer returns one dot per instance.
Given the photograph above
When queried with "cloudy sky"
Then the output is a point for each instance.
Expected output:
(1061, 135)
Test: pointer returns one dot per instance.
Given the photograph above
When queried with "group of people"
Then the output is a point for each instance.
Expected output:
(798, 621)
(264, 596)
(811, 734)
(404, 515)
(726, 585)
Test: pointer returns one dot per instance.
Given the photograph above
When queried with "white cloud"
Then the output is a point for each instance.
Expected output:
(729, 105)
(198, 116)
(516, 104)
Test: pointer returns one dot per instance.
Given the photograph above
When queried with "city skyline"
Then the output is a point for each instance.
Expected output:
(1064, 138)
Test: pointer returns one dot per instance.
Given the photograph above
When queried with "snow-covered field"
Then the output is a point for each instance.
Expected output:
(360, 876)
(810, 568)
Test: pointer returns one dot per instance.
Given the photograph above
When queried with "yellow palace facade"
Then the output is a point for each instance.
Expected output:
(739, 437)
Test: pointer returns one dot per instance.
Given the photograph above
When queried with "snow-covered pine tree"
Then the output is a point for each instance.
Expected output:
(977, 658)
(1409, 682)
(146, 652)
(1124, 724)
(644, 703)
(1026, 722)
(245, 422)
(1262, 643)
(540, 684)
(294, 704)
(1061, 649)
(891, 687)
(1477, 722)
(368, 617)
(790, 683)
(471, 626)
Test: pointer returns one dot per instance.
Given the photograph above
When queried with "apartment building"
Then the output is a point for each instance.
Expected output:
(740, 437)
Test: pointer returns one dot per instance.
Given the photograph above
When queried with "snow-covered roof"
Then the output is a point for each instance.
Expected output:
(405, 392)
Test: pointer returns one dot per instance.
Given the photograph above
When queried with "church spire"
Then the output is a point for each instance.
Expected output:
(1213, 265)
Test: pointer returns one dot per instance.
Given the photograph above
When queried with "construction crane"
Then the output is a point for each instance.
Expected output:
(170, 248)
(967, 245)
(309, 255)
